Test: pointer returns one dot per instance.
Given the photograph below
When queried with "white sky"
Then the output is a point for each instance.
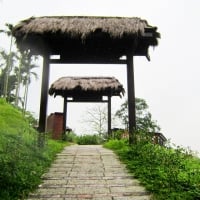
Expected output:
(170, 83)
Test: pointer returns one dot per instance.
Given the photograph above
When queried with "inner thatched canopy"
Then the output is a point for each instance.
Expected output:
(86, 87)
(102, 36)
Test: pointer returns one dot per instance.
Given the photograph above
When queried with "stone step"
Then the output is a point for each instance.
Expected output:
(88, 172)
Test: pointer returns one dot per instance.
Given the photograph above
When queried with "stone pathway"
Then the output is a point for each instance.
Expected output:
(88, 172)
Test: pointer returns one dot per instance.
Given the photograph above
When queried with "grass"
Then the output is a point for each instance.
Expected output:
(86, 139)
(89, 139)
(168, 173)
(22, 162)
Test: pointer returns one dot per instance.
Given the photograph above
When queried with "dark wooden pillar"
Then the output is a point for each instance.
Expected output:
(64, 114)
(109, 115)
(44, 94)
(131, 97)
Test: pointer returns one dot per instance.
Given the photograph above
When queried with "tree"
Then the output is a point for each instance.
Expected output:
(96, 117)
(16, 70)
(7, 63)
(27, 65)
(19, 77)
(143, 116)
(8, 32)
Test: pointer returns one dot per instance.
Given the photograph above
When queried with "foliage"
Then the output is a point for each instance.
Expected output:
(89, 139)
(31, 119)
(8, 60)
(116, 144)
(24, 73)
(70, 137)
(143, 116)
(168, 173)
(119, 134)
(83, 139)
(16, 71)
(22, 162)
(8, 64)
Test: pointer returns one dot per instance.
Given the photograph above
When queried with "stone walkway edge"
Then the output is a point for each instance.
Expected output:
(88, 172)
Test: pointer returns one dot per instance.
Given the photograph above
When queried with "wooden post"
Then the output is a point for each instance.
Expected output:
(44, 94)
(131, 97)
(64, 114)
(109, 115)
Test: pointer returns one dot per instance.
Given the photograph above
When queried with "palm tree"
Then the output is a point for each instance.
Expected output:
(18, 72)
(8, 32)
(27, 74)
(22, 73)
(8, 62)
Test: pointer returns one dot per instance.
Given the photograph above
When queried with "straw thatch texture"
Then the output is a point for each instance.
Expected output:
(82, 33)
(82, 27)
(83, 86)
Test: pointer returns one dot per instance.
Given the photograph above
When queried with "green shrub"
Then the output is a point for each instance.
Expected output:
(117, 134)
(70, 137)
(168, 173)
(89, 139)
(116, 144)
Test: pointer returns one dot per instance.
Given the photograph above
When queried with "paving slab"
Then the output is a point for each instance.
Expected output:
(88, 172)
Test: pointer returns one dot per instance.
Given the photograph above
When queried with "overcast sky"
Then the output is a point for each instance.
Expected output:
(170, 82)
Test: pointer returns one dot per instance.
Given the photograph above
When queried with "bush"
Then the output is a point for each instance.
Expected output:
(70, 137)
(118, 134)
(89, 139)
(168, 173)
(116, 144)
(22, 162)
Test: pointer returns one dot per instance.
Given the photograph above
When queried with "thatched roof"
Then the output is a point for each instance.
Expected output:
(85, 33)
(87, 87)
(82, 27)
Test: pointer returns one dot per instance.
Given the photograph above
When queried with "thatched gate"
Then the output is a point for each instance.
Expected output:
(87, 89)
(98, 40)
